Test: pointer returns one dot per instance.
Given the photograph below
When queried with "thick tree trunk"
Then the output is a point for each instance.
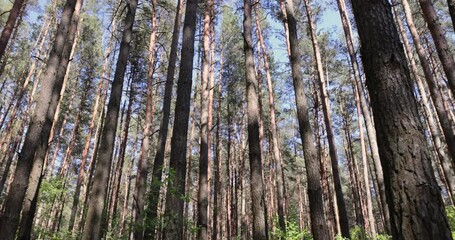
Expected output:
(97, 196)
(176, 188)
(257, 185)
(39, 128)
(344, 222)
(18, 100)
(371, 133)
(151, 211)
(9, 26)
(413, 196)
(318, 224)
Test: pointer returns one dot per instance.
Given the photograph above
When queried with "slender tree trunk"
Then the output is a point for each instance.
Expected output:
(89, 178)
(430, 118)
(440, 41)
(436, 96)
(9, 26)
(39, 128)
(204, 130)
(142, 167)
(366, 168)
(451, 4)
(151, 211)
(318, 224)
(97, 196)
(128, 182)
(257, 185)
(351, 162)
(96, 108)
(10, 157)
(344, 222)
(176, 188)
(281, 196)
(121, 158)
(217, 198)
(414, 201)
(329, 205)
(228, 187)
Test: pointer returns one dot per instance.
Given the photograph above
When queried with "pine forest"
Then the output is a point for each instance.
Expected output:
(236, 120)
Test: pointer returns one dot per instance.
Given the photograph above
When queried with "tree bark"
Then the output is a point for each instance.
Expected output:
(257, 185)
(39, 128)
(371, 133)
(413, 196)
(204, 130)
(9, 26)
(151, 211)
(121, 158)
(176, 188)
(97, 196)
(344, 222)
(318, 224)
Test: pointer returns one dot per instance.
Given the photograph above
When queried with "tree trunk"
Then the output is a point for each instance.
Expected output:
(344, 222)
(440, 41)
(9, 26)
(176, 188)
(318, 224)
(434, 90)
(121, 158)
(371, 133)
(451, 4)
(204, 130)
(436, 96)
(142, 167)
(217, 197)
(39, 128)
(257, 185)
(352, 167)
(97, 196)
(413, 196)
(151, 212)
(91, 169)
(96, 108)
(281, 196)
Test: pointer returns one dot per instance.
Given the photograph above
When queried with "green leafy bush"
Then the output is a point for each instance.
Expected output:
(450, 211)
(293, 232)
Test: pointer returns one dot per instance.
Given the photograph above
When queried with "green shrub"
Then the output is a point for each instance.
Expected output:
(450, 211)
(293, 232)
